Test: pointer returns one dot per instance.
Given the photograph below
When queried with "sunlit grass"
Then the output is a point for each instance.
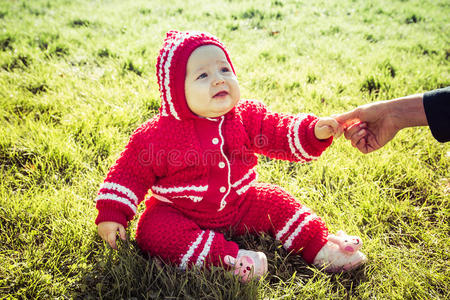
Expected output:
(77, 77)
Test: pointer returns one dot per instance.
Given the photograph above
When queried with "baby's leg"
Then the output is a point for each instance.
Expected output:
(163, 231)
(271, 209)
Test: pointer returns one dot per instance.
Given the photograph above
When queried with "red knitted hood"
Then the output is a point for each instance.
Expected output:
(171, 69)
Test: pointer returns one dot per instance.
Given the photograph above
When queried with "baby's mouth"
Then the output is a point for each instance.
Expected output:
(220, 94)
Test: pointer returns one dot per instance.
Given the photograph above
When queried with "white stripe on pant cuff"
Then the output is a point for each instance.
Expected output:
(288, 225)
(191, 251)
(206, 249)
(289, 241)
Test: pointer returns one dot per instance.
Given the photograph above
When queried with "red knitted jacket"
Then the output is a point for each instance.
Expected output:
(202, 165)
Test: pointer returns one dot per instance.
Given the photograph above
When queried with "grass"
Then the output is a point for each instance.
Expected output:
(77, 77)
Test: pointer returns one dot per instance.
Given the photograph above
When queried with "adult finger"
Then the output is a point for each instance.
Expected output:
(361, 145)
(372, 142)
(354, 128)
(347, 118)
(357, 136)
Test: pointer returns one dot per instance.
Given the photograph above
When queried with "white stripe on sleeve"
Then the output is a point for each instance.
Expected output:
(114, 197)
(120, 188)
(297, 142)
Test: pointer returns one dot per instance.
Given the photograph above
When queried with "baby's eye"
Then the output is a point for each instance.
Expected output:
(201, 76)
(225, 69)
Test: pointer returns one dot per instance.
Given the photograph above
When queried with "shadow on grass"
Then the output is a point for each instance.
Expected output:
(131, 274)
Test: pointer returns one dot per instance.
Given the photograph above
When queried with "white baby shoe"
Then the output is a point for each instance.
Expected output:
(248, 264)
(340, 253)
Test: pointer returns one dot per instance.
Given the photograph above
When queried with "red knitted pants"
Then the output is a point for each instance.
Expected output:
(165, 232)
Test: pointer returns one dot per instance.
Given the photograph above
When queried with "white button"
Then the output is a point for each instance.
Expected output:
(215, 141)
(221, 165)
(222, 189)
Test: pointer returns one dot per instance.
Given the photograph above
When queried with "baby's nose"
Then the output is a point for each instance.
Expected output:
(218, 79)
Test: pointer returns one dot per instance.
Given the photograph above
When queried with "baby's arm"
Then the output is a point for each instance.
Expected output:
(125, 186)
(327, 127)
(282, 136)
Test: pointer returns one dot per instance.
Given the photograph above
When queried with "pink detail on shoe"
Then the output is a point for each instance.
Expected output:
(349, 249)
(248, 264)
(347, 243)
(244, 267)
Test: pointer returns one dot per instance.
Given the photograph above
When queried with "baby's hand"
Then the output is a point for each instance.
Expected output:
(327, 127)
(108, 232)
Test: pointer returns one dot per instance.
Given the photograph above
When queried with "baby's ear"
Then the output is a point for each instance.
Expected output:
(229, 260)
(335, 239)
(341, 233)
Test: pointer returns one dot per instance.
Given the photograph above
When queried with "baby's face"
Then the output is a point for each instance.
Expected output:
(211, 88)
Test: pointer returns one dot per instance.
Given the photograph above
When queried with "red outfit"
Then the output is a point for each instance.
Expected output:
(202, 177)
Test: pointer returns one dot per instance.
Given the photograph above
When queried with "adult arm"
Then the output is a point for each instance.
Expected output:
(371, 126)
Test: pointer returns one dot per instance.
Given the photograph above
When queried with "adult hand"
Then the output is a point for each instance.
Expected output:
(108, 232)
(369, 127)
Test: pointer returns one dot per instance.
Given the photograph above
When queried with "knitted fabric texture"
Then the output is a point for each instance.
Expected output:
(203, 168)
(171, 69)
(164, 232)
(200, 165)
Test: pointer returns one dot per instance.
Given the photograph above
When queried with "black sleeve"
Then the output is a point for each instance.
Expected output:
(437, 109)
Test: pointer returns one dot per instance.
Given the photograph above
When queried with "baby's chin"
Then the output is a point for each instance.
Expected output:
(212, 115)
(215, 114)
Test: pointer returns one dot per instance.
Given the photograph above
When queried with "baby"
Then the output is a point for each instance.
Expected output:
(198, 158)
